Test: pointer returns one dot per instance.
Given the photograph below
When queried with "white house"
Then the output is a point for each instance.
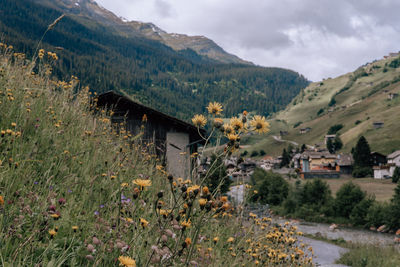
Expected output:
(382, 172)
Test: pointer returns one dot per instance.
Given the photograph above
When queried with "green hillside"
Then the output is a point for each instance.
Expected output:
(360, 98)
(179, 83)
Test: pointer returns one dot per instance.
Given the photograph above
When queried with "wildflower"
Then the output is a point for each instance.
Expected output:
(186, 224)
(52, 233)
(75, 228)
(260, 124)
(113, 177)
(1, 201)
(216, 239)
(143, 222)
(227, 128)
(236, 123)
(126, 261)
(124, 185)
(214, 108)
(188, 241)
(232, 137)
(55, 216)
(230, 240)
(224, 199)
(202, 202)
(218, 122)
(193, 188)
(199, 120)
(13, 124)
(142, 183)
(206, 191)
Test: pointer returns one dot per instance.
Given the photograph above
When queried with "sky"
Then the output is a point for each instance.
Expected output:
(317, 38)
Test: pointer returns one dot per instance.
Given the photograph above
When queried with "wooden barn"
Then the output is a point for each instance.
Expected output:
(175, 140)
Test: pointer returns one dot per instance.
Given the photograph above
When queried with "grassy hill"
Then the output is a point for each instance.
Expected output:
(360, 98)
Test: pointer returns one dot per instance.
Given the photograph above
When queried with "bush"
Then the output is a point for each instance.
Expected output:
(361, 172)
(348, 196)
(254, 153)
(244, 153)
(378, 214)
(332, 102)
(262, 152)
(320, 111)
(357, 122)
(335, 128)
(358, 215)
(271, 187)
(316, 192)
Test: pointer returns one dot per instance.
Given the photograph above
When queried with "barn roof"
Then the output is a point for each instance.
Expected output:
(114, 100)
(394, 155)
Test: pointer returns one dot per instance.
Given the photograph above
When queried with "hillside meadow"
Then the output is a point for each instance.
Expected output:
(76, 190)
(360, 99)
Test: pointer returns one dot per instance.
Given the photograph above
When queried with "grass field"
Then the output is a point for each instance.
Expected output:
(382, 189)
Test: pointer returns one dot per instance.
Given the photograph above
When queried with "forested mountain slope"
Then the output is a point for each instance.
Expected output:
(179, 83)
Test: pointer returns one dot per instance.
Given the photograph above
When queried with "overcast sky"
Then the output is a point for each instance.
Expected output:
(317, 38)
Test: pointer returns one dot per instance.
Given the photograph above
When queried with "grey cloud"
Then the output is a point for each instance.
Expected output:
(318, 38)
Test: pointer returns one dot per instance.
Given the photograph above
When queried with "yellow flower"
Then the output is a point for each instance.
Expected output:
(55, 216)
(199, 120)
(52, 232)
(202, 202)
(216, 239)
(75, 228)
(13, 124)
(188, 241)
(214, 108)
(186, 224)
(230, 240)
(143, 222)
(124, 185)
(260, 124)
(224, 199)
(142, 183)
(236, 123)
(218, 122)
(232, 137)
(193, 188)
(126, 261)
(206, 190)
(227, 128)
(1, 201)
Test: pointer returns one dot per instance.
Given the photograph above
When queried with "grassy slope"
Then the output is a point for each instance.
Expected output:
(358, 106)
(64, 166)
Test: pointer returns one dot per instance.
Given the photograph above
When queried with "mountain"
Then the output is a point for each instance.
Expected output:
(355, 100)
(107, 53)
(89, 9)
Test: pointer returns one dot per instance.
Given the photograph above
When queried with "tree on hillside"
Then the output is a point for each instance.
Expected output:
(285, 158)
(362, 158)
(334, 145)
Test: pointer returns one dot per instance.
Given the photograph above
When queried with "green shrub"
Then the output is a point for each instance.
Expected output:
(358, 215)
(335, 128)
(254, 153)
(271, 187)
(361, 172)
(357, 122)
(348, 196)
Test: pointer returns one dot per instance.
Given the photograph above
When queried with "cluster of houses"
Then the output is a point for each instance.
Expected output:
(175, 141)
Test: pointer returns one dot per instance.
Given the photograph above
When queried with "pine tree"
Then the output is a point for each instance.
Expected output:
(362, 153)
